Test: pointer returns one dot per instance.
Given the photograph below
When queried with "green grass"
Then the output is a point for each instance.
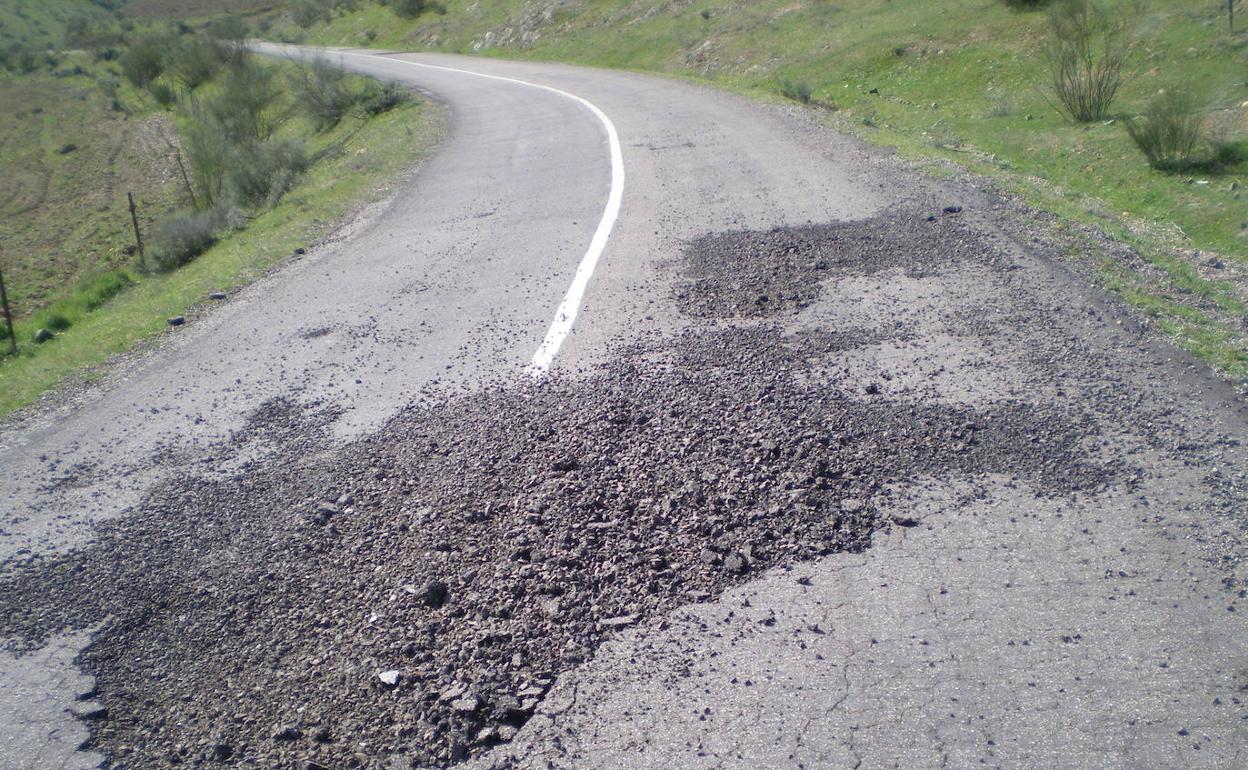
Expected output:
(38, 23)
(355, 159)
(66, 216)
(959, 81)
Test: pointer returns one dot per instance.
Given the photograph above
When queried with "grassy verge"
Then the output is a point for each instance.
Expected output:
(356, 158)
(959, 81)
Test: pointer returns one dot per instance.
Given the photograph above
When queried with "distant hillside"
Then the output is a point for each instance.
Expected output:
(194, 9)
(38, 23)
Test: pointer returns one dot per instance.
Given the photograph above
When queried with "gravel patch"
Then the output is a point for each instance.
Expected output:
(406, 600)
(765, 274)
(414, 594)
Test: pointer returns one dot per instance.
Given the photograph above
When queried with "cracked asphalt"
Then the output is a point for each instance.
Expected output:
(991, 623)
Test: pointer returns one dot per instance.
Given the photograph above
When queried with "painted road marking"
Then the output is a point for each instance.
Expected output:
(565, 315)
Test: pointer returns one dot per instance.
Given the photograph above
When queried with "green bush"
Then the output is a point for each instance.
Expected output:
(324, 92)
(180, 238)
(196, 61)
(145, 58)
(305, 13)
(1171, 132)
(162, 93)
(262, 172)
(798, 91)
(382, 97)
(241, 105)
(1087, 50)
(408, 9)
(207, 147)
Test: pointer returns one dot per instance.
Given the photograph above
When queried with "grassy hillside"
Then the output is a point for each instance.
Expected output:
(960, 81)
(81, 137)
(67, 160)
(38, 23)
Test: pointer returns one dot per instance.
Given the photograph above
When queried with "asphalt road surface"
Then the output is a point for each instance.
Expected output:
(995, 626)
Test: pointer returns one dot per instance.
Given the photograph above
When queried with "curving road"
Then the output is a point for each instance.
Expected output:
(534, 237)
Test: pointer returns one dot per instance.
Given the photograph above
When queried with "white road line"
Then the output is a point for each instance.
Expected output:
(565, 316)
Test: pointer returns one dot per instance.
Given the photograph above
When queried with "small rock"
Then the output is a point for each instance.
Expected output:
(43, 335)
(620, 621)
(222, 752)
(287, 733)
(952, 209)
(872, 389)
(874, 91)
(301, 250)
(91, 711)
(177, 320)
(852, 505)
(435, 594)
(466, 705)
(390, 678)
(216, 295)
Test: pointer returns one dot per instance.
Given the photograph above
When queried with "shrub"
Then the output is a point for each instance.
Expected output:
(305, 13)
(240, 107)
(408, 9)
(197, 61)
(207, 148)
(1089, 43)
(230, 33)
(383, 97)
(798, 91)
(324, 92)
(262, 172)
(162, 93)
(180, 238)
(144, 58)
(1170, 133)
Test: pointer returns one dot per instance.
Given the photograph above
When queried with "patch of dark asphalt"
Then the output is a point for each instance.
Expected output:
(407, 599)
(761, 274)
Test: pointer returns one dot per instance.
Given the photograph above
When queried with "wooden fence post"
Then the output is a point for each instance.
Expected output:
(8, 317)
(138, 236)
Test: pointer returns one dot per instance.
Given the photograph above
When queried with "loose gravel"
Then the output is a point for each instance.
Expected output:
(406, 600)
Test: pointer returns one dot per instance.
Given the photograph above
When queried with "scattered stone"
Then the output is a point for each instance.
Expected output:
(620, 621)
(301, 251)
(390, 678)
(435, 593)
(89, 711)
(952, 209)
(287, 733)
(177, 320)
(43, 335)
(468, 704)
(217, 295)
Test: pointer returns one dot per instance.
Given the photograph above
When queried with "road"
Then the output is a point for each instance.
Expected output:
(1006, 628)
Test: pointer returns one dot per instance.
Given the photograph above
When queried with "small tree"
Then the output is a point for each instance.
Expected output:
(1089, 43)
